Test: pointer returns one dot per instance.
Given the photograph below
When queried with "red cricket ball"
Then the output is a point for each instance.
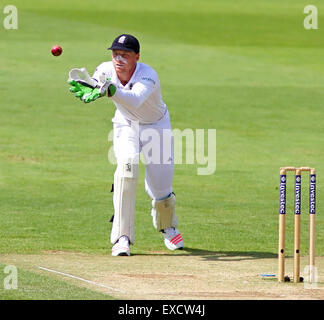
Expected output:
(56, 50)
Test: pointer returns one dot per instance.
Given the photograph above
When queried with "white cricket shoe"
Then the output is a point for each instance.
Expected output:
(121, 247)
(172, 238)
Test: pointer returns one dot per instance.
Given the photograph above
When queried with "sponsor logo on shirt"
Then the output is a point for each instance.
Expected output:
(148, 79)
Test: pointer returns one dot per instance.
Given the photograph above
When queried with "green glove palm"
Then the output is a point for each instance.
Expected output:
(79, 89)
(88, 94)
(91, 96)
(96, 93)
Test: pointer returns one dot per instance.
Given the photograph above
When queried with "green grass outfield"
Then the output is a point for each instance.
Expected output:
(248, 69)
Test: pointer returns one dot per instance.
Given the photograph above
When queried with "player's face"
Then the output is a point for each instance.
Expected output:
(124, 61)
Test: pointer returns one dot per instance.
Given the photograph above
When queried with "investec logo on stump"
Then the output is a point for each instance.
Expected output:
(297, 194)
(283, 194)
(312, 194)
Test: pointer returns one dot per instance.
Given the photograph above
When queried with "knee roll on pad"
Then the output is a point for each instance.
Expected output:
(125, 184)
(163, 213)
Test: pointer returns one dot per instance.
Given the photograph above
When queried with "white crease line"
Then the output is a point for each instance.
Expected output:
(81, 279)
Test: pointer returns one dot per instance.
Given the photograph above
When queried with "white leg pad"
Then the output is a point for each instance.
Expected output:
(163, 213)
(125, 184)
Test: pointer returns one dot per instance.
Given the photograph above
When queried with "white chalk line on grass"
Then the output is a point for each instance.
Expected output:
(102, 285)
(81, 279)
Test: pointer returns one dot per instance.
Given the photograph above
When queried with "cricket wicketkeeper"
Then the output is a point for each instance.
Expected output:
(140, 122)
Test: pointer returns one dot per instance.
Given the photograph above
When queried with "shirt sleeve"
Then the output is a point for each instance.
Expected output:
(135, 97)
(101, 73)
(95, 75)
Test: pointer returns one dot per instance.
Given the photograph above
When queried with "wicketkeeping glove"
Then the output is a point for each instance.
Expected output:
(82, 84)
(79, 89)
(88, 93)
(91, 96)
(106, 88)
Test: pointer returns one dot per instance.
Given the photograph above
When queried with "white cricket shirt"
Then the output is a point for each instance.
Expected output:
(140, 99)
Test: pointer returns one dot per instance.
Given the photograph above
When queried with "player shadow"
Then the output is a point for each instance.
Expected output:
(229, 255)
(209, 255)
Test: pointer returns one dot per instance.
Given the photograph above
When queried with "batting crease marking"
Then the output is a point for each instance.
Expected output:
(81, 279)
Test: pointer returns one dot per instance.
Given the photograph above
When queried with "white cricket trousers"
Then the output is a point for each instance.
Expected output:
(155, 141)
